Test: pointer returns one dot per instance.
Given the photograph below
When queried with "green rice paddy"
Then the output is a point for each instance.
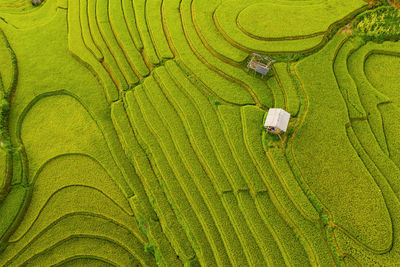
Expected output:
(131, 133)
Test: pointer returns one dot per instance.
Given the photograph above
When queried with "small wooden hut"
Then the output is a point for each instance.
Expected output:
(260, 64)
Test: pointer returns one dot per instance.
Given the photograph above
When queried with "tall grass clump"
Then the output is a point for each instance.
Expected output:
(380, 24)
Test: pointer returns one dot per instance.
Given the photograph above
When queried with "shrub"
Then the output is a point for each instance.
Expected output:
(379, 24)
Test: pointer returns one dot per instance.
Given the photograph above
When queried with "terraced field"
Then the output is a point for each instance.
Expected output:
(131, 133)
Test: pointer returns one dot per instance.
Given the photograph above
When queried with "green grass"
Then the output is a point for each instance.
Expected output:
(133, 133)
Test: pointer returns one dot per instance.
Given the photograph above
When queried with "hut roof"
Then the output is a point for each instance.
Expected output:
(277, 117)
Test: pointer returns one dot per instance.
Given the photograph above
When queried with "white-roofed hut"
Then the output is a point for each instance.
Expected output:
(277, 120)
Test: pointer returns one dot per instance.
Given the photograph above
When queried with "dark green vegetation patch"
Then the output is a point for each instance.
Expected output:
(379, 24)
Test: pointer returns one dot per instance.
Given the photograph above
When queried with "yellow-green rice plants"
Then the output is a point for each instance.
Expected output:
(85, 29)
(239, 79)
(218, 177)
(118, 23)
(185, 196)
(225, 19)
(243, 25)
(307, 231)
(289, 242)
(30, 18)
(390, 119)
(257, 185)
(194, 127)
(369, 96)
(277, 93)
(287, 18)
(103, 21)
(132, 133)
(83, 222)
(382, 160)
(11, 208)
(139, 6)
(129, 14)
(210, 121)
(358, 251)
(109, 61)
(17, 167)
(340, 163)
(77, 46)
(250, 246)
(202, 16)
(59, 134)
(345, 82)
(381, 70)
(290, 183)
(288, 88)
(84, 245)
(3, 169)
(261, 229)
(8, 69)
(154, 22)
(230, 118)
(13, 5)
(248, 210)
(173, 230)
(166, 120)
(212, 80)
(68, 179)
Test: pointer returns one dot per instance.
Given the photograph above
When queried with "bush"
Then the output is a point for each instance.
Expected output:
(4, 106)
(379, 24)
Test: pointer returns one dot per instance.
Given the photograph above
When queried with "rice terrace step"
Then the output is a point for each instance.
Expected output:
(199, 133)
